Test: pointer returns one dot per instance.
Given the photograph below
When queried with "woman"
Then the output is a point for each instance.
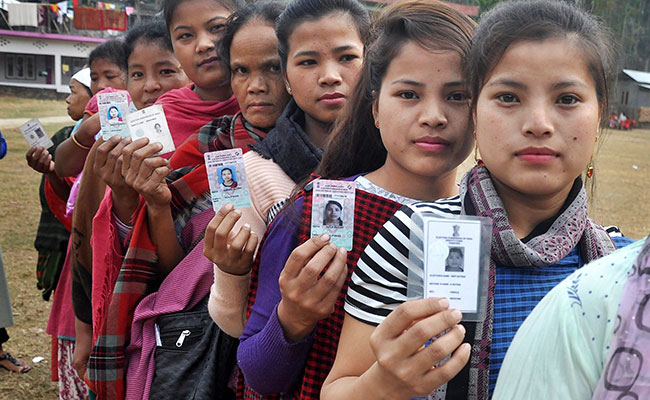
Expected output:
(290, 339)
(536, 130)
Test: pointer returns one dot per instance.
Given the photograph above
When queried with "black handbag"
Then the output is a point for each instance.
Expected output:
(194, 358)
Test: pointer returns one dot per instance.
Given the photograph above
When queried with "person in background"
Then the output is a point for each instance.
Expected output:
(7, 361)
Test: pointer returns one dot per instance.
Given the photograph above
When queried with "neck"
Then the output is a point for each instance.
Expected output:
(217, 93)
(526, 211)
(318, 132)
(405, 183)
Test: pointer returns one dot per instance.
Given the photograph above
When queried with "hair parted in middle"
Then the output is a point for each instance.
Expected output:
(355, 146)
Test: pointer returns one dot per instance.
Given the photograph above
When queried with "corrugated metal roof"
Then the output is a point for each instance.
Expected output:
(644, 86)
(638, 76)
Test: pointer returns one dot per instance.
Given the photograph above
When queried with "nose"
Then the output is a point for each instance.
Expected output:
(538, 122)
(257, 85)
(433, 114)
(68, 99)
(330, 74)
(205, 42)
(151, 85)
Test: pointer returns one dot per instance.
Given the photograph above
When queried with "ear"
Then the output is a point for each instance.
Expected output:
(287, 85)
(375, 106)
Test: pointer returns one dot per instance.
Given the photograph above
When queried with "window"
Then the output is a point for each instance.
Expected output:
(624, 97)
(19, 66)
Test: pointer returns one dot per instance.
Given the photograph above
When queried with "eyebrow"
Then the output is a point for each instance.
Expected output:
(508, 82)
(567, 84)
(314, 53)
(206, 23)
(158, 63)
(407, 82)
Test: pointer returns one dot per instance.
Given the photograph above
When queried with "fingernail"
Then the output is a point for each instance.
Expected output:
(444, 303)
(343, 250)
(457, 315)
(228, 206)
(461, 329)
(332, 245)
(238, 212)
(325, 237)
(247, 226)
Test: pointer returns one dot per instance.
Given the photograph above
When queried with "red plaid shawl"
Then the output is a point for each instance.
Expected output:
(138, 275)
(370, 214)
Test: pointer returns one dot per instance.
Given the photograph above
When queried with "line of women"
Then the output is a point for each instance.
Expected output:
(315, 90)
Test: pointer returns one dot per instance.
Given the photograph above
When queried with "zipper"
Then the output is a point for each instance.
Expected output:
(181, 338)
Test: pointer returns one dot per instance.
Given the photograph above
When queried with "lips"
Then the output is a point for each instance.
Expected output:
(332, 98)
(209, 61)
(150, 102)
(431, 143)
(258, 105)
(537, 154)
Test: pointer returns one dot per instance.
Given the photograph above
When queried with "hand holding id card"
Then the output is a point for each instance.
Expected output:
(227, 178)
(454, 253)
(332, 211)
(35, 134)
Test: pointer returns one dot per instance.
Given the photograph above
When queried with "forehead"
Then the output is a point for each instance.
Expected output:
(197, 12)
(546, 61)
(255, 40)
(149, 53)
(102, 65)
(324, 34)
(426, 66)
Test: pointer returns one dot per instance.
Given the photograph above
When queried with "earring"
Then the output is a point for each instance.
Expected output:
(377, 124)
(477, 160)
(590, 167)
(289, 91)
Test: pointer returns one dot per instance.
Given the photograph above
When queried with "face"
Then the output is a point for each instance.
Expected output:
(77, 100)
(195, 29)
(423, 113)
(323, 65)
(114, 113)
(333, 212)
(103, 74)
(536, 126)
(152, 70)
(226, 175)
(454, 259)
(256, 77)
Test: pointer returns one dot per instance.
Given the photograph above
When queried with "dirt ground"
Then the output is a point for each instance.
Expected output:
(621, 198)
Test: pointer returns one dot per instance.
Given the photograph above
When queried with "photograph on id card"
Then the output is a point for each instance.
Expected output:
(151, 123)
(35, 134)
(333, 211)
(452, 260)
(227, 178)
(113, 109)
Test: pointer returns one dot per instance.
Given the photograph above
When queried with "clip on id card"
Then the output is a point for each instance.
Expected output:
(332, 211)
(227, 178)
(451, 259)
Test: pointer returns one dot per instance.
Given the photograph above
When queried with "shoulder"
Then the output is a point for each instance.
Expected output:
(268, 183)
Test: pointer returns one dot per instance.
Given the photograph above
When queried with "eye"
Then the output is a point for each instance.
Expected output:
(507, 98)
(348, 57)
(275, 68)
(408, 95)
(307, 63)
(167, 72)
(458, 96)
(217, 28)
(567, 100)
(136, 75)
(241, 70)
(111, 77)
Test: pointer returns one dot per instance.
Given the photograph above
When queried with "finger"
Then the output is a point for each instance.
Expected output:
(51, 169)
(104, 150)
(215, 222)
(301, 255)
(251, 245)
(310, 273)
(127, 153)
(444, 373)
(224, 231)
(403, 316)
(428, 328)
(329, 285)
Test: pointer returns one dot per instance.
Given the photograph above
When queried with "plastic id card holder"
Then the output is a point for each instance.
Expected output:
(332, 211)
(227, 178)
(450, 256)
